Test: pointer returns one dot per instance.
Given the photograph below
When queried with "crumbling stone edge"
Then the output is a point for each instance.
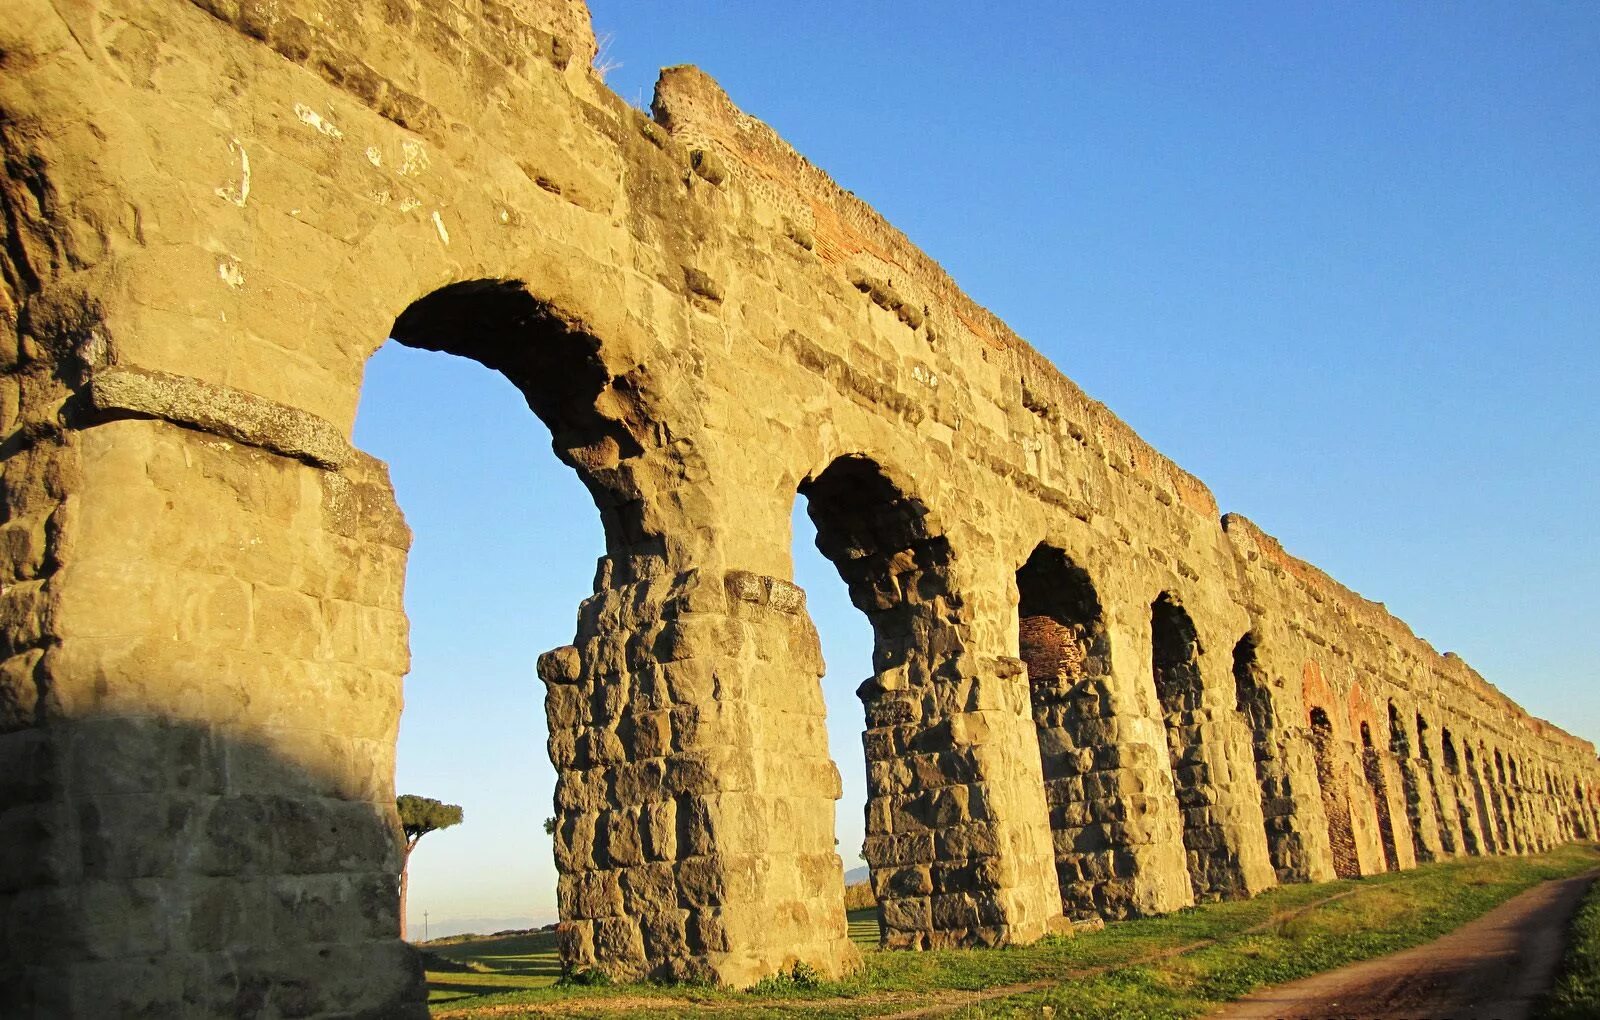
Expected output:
(220, 410)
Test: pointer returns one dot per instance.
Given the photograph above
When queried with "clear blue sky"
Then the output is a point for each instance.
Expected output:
(1340, 261)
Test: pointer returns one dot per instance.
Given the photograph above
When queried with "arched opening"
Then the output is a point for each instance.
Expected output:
(1550, 820)
(556, 366)
(1504, 805)
(498, 562)
(1061, 637)
(1547, 805)
(1471, 838)
(895, 565)
(1568, 829)
(499, 565)
(1335, 800)
(919, 783)
(1450, 839)
(1180, 691)
(1253, 701)
(1480, 802)
(1525, 805)
(1543, 823)
(1410, 782)
(1372, 768)
(846, 641)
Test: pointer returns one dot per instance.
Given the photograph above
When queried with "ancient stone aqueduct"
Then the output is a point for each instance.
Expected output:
(1093, 695)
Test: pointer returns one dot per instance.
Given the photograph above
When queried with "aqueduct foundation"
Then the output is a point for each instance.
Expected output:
(1091, 693)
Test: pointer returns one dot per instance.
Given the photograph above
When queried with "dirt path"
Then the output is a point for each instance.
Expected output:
(1493, 968)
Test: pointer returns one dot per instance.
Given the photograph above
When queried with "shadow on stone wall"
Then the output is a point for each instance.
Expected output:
(154, 867)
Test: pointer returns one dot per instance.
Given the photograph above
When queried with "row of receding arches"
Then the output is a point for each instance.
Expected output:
(1093, 777)
(1102, 787)
(1474, 802)
(896, 565)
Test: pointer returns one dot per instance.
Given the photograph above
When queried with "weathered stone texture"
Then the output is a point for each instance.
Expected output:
(1089, 695)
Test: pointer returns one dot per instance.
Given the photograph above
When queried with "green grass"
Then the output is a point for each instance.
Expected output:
(1178, 966)
(1576, 995)
(513, 963)
(864, 927)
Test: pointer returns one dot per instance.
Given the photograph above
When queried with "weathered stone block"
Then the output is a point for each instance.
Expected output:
(590, 894)
(702, 882)
(954, 912)
(907, 915)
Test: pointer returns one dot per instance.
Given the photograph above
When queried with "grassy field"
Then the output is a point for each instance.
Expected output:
(1576, 995)
(489, 967)
(1178, 966)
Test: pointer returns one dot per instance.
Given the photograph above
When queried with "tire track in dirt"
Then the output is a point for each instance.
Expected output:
(1495, 966)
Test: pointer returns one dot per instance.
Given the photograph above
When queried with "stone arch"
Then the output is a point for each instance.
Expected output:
(945, 858)
(597, 422)
(1478, 787)
(1359, 709)
(1547, 814)
(1493, 778)
(1539, 814)
(1335, 797)
(1444, 802)
(1500, 800)
(1254, 703)
(894, 559)
(624, 837)
(1180, 692)
(1523, 832)
(1566, 818)
(895, 562)
(1553, 829)
(1542, 808)
(1378, 786)
(1545, 819)
(470, 338)
(1411, 781)
(1537, 809)
(1472, 841)
(1062, 640)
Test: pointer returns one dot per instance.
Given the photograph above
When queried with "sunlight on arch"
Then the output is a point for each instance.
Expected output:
(505, 539)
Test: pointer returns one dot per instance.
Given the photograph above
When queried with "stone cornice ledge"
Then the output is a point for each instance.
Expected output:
(222, 411)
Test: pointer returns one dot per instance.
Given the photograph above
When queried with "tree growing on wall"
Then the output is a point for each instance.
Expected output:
(418, 817)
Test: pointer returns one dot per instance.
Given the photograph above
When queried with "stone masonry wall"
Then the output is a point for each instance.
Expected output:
(215, 211)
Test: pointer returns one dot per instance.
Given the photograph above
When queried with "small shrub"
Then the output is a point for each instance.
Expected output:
(588, 977)
(802, 976)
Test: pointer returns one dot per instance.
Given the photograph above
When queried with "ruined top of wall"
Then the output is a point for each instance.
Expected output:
(1374, 616)
(489, 42)
(850, 235)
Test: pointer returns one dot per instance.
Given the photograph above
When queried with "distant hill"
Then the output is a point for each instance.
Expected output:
(855, 875)
(444, 927)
